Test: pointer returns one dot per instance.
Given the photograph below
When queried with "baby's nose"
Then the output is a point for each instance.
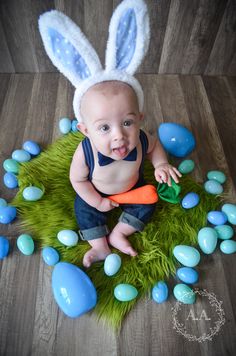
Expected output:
(118, 134)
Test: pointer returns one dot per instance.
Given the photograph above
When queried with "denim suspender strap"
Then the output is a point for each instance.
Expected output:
(88, 153)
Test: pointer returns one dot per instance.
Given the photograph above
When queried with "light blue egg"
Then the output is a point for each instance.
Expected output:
(228, 246)
(125, 292)
(11, 165)
(74, 125)
(217, 217)
(112, 264)
(207, 240)
(50, 256)
(4, 247)
(32, 193)
(32, 147)
(217, 175)
(190, 200)
(213, 187)
(230, 211)
(224, 232)
(186, 166)
(187, 275)
(65, 125)
(21, 156)
(187, 255)
(160, 292)
(68, 237)
(10, 180)
(7, 214)
(184, 294)
(25, 244)
(3, 203)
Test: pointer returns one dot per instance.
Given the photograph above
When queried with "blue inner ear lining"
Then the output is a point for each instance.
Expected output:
(67, 54)
(126, 39)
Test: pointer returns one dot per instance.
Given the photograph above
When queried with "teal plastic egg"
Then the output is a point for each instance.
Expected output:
(230, 211)
(65, 125)
(187, 255)
(160, 292)
(50, 256)
(7, 214)
(4, 247)
(3, 203)
(224, 232)
(68, 237)
(11, 165)
(207, 240)
(74, 125)
(25, 244)
(217, 217)
(186, 166)
(190, 200)
(217, 175)
(32, 193)
(21, 156)
(10, 180)
(112, 264)
(125, 292)
(228, 246)
(32, 147)
(213, 187)
(187, 275)
(184, 294)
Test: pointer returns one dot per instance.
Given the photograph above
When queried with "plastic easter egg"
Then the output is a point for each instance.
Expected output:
(25, 244)
(68, 237)
(224, 232)
(207, 240)
(11, 165)
(4, 247)
(65, 125)
(73, 290)
(187, 255)
(50, 256)
(216, 175)
(74, 125)
(228, 246)
(187, 275)
(190, 200)
(32, 193)
(3, 203)
(213, 187)
(125, 292)
(32, 147)
(21, 156)
(184, 294)
(160, 292)
(217, 217)
(112, 264)
(176, 139)
(10, 180)
(230, 211)
(186, 166)
(7, 214)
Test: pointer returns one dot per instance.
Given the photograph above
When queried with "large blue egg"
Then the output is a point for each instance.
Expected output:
(207, 239)
(184, 294)
(50, 256)
(4, 247)
(176, 139)
(187, 255)
(160, 292)
(112, 264)
(32, 193)
(230, 211)
(7, 214)
(228, 246)
(73, 289)
(217, 217)
(187, 275)
(21, 156)
(65, 125)
(10, 180)
(190, 200)
(213, 187)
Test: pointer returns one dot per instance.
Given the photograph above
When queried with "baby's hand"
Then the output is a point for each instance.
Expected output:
(164, 172)
(106, 205)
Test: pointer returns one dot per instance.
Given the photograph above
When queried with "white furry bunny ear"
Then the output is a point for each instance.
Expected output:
(67, 47)
(129, 36)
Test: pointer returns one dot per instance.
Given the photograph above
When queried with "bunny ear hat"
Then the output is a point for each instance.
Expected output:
(70, 51)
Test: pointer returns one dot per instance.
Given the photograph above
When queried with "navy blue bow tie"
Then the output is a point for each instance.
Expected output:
(104, 160)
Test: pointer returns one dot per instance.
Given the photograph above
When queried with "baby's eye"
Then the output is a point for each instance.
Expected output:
(104, 128)
(128, 122)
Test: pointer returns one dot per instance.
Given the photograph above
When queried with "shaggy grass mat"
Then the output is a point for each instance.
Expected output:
(171, 225)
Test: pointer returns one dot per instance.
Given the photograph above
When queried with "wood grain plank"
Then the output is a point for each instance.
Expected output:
(6, 64)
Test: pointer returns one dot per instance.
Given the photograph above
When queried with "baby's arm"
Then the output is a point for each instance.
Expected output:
(79, 172)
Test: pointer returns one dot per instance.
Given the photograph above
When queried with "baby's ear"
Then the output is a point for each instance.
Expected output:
(82, 128)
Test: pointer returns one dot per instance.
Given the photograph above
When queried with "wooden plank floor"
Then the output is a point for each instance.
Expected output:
(30, 322)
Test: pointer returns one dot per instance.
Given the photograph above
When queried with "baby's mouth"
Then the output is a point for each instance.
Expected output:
(120, 151)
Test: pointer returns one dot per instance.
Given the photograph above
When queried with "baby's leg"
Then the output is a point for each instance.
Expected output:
(99, 251)
(118, 238)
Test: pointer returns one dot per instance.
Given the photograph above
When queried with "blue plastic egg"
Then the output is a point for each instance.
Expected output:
(4, 247)
(68, 237)
(73, 290)
(32, 147)
(112, 264)
(65, 125)
(125, 292)
(186, 166)
(187, 275)
(3, 203)
(25, 244)
(10, 180)
(217, 175)
(74, 125)
(50, 256)
(11, 165)
(224, 232)
(32, 193)
(184, 294)
(21, 156)
(217, 217)
(228, 246)
(176, 139)
(160, 292)
(190, 200)
(230, 211)
(7, 214)
(207, 239)
(213, 187)
(187, 255)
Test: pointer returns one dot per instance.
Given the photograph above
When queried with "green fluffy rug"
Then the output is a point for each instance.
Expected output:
(171, 225)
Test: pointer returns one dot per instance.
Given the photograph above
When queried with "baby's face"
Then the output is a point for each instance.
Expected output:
(111, 119)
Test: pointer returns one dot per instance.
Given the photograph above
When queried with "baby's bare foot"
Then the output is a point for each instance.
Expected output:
(118, 239)
(95, 255)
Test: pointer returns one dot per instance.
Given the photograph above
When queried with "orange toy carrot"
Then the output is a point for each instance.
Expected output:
(143, 195)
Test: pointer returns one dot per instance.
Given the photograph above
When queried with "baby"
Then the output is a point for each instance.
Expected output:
(109, 161)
